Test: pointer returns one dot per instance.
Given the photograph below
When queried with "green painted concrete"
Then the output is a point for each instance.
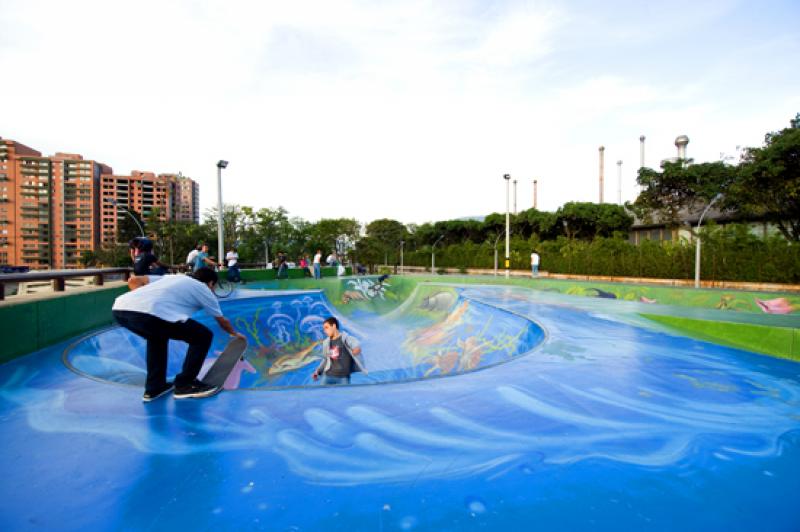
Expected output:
(27, 327)
(782, 342)
(292, 273)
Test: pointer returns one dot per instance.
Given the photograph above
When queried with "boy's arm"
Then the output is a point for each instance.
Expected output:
(228, 328)
(137, 281)
(355, 351)
(321, 367)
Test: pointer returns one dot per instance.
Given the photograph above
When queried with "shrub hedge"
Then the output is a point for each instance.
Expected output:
(729, 253)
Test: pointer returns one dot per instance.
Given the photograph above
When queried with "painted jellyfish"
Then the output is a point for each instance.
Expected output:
(312, 326)
(281, 327)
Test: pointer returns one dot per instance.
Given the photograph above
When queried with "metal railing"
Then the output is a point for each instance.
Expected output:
(59, 277)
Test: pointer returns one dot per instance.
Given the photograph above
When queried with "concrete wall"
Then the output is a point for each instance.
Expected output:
(28, 326)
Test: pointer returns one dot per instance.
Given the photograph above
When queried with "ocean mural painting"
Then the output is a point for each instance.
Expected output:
(484, 408)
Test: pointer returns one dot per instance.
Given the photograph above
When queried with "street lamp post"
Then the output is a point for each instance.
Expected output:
(433, 254)
(515, 196)
(116, 204)
(401, 257)
(697, 242)
(496, 240)
(507, 177)
(220, 244)
(566, 231)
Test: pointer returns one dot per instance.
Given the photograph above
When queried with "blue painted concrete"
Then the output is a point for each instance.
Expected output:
(605, 423)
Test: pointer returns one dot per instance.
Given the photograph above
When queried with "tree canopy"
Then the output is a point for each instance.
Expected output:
(764, 185)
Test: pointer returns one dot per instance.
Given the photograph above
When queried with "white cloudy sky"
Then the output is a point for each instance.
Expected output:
(405, 109)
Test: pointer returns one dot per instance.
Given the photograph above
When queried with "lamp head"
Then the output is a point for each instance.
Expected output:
(222, 164)
(506, 176)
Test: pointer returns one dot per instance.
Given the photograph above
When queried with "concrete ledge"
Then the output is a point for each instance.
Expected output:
(782, 342)
(683, 283)
(27, 326)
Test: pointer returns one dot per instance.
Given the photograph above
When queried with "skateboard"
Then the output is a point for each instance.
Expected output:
(223, 366)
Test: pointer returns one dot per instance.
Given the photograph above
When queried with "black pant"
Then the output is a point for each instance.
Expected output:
(158, 332)
(233, 274)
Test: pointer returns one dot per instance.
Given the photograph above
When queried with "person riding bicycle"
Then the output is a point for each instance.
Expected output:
(202, 260)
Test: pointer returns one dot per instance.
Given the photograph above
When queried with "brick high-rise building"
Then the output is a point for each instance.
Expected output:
(168, 196)
(187, 198)
(50, 213)
(54, 208)
(143, 192)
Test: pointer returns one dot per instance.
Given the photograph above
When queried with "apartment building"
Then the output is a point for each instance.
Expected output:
(54, 208)
(186, 198)
(49, 208)
(146, 193)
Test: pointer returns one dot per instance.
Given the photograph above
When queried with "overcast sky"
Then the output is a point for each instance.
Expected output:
(410, 110)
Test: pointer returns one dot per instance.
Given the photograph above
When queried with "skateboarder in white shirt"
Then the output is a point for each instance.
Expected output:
(161, 310)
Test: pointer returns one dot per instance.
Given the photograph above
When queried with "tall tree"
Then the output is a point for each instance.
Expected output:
(680, 188)
(127, 228)
(769, 184)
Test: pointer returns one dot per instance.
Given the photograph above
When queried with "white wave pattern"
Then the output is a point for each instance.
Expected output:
(366, 444)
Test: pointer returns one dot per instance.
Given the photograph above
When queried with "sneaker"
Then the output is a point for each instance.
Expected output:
(196, 389)
(152, 396)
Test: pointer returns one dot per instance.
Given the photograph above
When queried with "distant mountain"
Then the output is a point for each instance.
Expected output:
(469, 218)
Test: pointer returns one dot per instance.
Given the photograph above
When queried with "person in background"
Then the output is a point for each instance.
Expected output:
(535, 264)
(304, 266)
(193, 255)
(317, 265)
(202, 260)
(232, 257)
(144, 260)
(283, 268)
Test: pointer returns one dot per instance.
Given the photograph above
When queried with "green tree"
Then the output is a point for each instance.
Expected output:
(769, 184)
(323, 234)
(127, 228)
(386, 234)
(588, 220)
(680, 188)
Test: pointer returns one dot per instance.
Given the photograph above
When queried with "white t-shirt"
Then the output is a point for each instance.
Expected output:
(191, 256)
(317, 258)
(232, 257)
(534, 259)
(172, 298)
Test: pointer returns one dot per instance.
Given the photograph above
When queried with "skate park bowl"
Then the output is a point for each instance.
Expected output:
(484, 407)
(443, 334)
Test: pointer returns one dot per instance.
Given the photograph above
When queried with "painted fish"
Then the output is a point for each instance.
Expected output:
(775, 306)
(438, 302)
(293, 361)
(352, 295)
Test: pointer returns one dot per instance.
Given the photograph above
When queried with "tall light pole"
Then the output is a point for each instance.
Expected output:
(507, 177)
(602, 150)
(641, 151)
(515, 196)
(220, 244)
(116, 204)
(433, 254)
(697, 242)
(535, 183)
(401, 257)
(619, 182)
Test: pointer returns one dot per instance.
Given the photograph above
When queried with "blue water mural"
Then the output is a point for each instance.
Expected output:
(285, 336)
(600, 423)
